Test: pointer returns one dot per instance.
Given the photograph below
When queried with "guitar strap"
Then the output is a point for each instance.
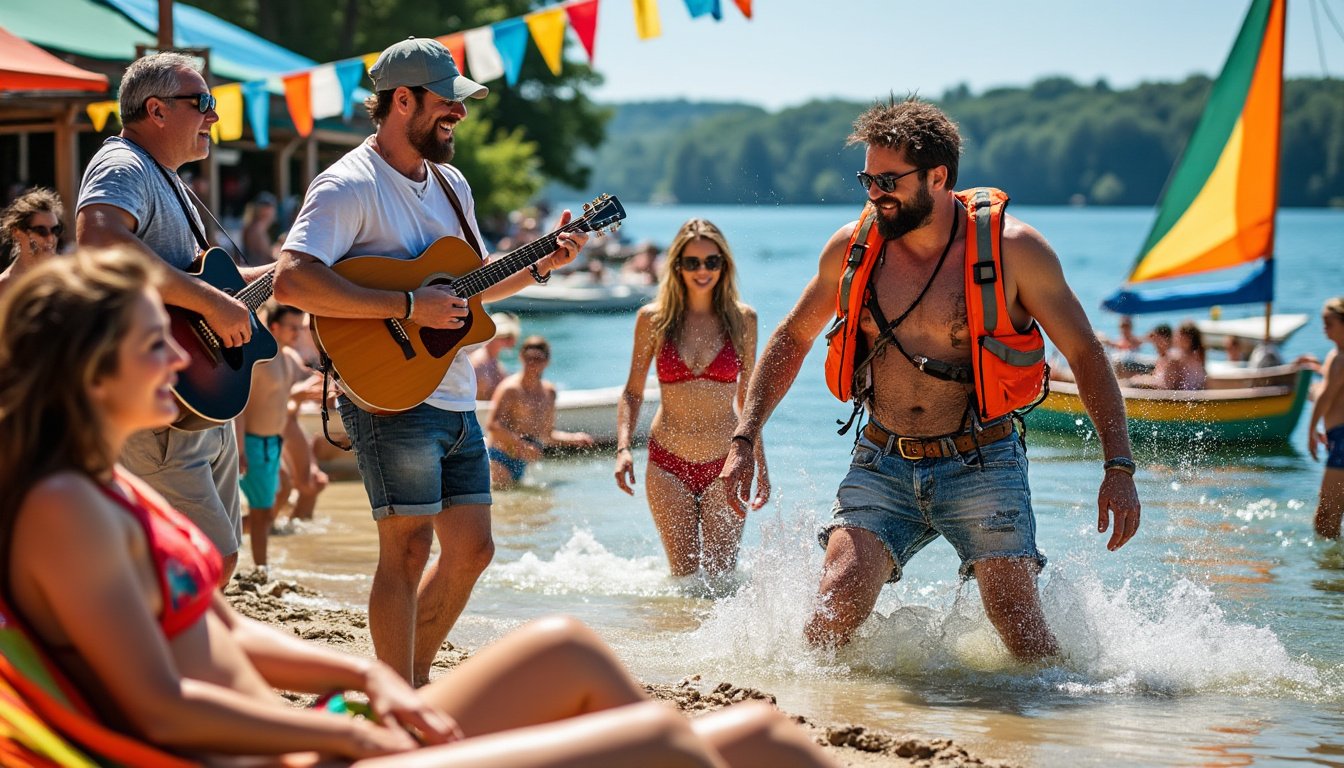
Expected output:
(325, 363)
(468, 233)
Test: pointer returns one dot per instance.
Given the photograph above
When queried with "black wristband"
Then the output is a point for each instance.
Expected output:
(410, 305)
(750, 443)
(536, 274)
(1122, 463)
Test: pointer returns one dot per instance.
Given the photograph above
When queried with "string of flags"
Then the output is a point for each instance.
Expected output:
(484, 54)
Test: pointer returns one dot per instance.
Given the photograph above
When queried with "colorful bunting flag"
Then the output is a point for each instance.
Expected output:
(229, 107)
(370, 59)
(99, 111)
(583, 18)
(258, 101)
(349, 72)
(457, 46)
(648, 25)
(548, 32)
(699, 8)
(511, 42)
(744, 6)
(482, 55)
(325, 92)
(299, 99)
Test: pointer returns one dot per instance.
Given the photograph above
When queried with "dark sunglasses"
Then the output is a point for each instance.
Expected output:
(692, 263)
(41, 231)
(884, 181)
(204, 101)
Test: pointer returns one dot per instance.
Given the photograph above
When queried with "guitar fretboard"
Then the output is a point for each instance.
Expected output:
(482, 278)
(258, 291)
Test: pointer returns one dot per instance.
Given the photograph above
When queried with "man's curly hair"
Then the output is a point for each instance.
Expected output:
(926, 135)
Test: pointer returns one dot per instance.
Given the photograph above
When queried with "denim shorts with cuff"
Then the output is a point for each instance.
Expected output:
(420, 461)
(984, 511)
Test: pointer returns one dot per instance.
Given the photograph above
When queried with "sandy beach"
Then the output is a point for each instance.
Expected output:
(850, 744)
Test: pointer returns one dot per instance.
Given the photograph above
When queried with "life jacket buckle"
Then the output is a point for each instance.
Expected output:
(984, 272)
(920, 360)
(856, 252)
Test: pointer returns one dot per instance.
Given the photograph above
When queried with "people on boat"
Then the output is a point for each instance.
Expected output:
(119, 588)
(30, 229)
(1236, 349)
(485, 358)
(701, 339)
(1188, 368)
(642, 266)
(1159, 376)
(522, 417)
(941, 453)
(1326, 427)
(1127, 341)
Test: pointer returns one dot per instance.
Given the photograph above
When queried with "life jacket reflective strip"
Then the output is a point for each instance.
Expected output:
(1009, 367)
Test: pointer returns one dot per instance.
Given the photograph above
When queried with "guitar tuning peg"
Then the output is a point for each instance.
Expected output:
(587, 207)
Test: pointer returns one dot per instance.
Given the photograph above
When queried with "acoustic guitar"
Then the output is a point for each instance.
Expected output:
(393, 365)
(215, 385)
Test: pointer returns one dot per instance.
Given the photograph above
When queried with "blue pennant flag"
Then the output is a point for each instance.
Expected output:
(257, 101)
(699, 8)
(349, 72)
(511, 42)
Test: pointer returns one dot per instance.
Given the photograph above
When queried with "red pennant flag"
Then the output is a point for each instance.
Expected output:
(583, 18)
(299, 98)
(745, 7)
(456, 45)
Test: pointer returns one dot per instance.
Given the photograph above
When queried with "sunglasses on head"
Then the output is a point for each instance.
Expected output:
(713, 263)
(41, 231)
(204, 101)
(884, 181)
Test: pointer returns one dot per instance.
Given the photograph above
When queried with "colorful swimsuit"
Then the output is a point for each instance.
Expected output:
(697, 476)
(187, 564)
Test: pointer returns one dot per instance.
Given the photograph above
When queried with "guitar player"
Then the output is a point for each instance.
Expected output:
(132, 197)
(425, 470)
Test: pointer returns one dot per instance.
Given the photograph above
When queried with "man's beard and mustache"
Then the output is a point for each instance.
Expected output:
(910, 215)
(421, 134)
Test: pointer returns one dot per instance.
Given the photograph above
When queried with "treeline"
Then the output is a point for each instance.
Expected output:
(1054, 142)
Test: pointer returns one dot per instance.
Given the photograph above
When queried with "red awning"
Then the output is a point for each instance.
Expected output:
(25, 67)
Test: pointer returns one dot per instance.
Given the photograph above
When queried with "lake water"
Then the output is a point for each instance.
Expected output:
(1212, 638)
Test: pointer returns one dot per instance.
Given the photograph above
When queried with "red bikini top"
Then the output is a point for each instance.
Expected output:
(186, 561)
(673, 369)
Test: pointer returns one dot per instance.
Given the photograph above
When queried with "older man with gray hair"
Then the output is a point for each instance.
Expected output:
(132, 197)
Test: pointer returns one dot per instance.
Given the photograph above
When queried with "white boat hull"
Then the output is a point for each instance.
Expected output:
(555, 299)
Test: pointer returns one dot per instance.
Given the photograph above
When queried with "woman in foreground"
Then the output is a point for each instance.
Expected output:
(119, 588)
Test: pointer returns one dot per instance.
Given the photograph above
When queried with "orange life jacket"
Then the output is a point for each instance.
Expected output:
(1008, 368)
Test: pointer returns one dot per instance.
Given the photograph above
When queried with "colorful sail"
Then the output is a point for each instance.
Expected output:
(1218, 208)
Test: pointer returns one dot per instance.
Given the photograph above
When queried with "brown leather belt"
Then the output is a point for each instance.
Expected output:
(916, 448)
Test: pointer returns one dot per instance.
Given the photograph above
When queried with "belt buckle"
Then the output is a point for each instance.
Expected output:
(900, 448)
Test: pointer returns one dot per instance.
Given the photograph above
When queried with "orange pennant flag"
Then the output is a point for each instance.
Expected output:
(583, 18)
(548, 32)
(300, 101)
(648, 25)
(456, 45)
(745, 7)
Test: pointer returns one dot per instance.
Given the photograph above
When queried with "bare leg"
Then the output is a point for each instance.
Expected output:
(1331, 506)
(674, 515)
(259, 529)
(756, 733)
(465, 549)
(857, 565)
(403, 549)
(1008, 588)
(226, 573)
(720, 531)
(500, 476)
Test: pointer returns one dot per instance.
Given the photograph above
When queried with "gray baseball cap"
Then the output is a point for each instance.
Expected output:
(423, 61)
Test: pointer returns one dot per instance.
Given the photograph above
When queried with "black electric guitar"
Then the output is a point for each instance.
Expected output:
(215, 385)
(393, 365)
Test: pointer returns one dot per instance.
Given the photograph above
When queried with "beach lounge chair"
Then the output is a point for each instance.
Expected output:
(45, 723)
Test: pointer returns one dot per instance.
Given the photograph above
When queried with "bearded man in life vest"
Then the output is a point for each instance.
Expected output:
(935, 301)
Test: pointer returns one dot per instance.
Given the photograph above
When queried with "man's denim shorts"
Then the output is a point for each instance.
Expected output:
(985, 512)
(419, 461)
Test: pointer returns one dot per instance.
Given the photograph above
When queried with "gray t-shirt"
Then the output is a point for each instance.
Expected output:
(123, 175)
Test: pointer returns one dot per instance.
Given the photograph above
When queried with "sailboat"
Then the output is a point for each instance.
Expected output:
(1216, 214)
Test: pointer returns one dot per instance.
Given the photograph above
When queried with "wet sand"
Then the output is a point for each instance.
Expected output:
(849, 744)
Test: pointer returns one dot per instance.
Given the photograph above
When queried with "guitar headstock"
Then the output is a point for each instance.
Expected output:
(604, 213)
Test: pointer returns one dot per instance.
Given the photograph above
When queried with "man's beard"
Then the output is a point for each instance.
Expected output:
(909, 216)
(420, 133)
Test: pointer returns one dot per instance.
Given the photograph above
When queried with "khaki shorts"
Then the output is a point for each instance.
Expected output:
(198, 473)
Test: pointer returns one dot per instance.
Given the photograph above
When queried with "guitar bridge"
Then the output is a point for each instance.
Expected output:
(403, 341)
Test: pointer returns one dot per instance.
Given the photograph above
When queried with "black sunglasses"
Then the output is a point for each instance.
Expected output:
(713, 263)
(204, 101)
(42, 231)
(884, 181)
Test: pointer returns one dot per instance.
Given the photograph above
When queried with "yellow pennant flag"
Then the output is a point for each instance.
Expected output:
(548, 32)
(229, 107)
(370, 59)
(647, 23)
(99, 111)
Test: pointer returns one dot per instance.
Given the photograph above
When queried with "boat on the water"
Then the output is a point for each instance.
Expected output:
(564, 297)
(576, 410)
(1216, 217)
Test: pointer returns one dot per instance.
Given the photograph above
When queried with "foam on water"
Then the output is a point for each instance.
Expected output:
(584, 566)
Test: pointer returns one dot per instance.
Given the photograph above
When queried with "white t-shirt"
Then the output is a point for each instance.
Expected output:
(361, 206)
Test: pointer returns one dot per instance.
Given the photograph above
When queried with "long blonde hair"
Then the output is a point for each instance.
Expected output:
(60, 328)
(669, 311)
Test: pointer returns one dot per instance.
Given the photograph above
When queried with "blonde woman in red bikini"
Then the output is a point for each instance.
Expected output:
(701, 339)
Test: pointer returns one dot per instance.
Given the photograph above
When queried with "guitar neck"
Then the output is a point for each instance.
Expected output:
(258, 291)
(484, 277)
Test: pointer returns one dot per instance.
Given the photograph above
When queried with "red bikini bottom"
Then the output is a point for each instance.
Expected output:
(695, 475)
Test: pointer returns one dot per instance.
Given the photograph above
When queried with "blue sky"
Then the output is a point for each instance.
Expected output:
(794, 51)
